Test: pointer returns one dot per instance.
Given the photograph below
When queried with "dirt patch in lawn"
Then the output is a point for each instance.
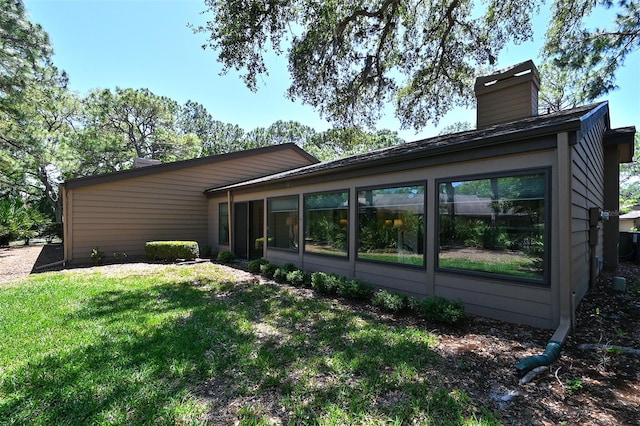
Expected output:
(584, 386)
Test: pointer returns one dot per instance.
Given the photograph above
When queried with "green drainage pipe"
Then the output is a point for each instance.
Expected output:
(551, 353)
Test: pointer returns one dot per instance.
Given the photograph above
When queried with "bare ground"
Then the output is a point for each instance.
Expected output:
(590, 387)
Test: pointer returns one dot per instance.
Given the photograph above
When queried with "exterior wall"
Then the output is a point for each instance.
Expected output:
(587, 191)
(122, 214)
(507, 95)
(509, 104)
(627, 225)
(497, 298)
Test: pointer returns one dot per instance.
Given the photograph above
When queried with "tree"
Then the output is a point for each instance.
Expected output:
(594, 53)
(630, 179)
(561, 88)
(24, 48)
(215, 136)
(278, 133)
(138, 123)
(348, 59)
(36, 152)
(337, 143)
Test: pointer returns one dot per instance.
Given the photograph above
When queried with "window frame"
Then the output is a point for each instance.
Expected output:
(545, 280)
(422, 183)
(269, 200)
(226, 240)
(305, 211)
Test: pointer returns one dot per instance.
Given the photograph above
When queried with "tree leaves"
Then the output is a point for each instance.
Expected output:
(349, 59)
(24, 48)
(596, 53)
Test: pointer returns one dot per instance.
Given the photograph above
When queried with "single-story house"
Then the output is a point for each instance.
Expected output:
(629, 221)
(508, 218)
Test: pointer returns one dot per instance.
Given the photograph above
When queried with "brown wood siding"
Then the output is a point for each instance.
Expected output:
(505, 105)
(493, 299)
(587, 191)
(121, 215)
(412, 282)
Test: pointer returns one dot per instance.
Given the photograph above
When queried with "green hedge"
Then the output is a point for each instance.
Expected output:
(171, 250)
(433, 308)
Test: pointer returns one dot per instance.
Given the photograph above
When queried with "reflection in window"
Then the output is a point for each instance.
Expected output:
(326, 223)
(494, 225)
(391, 224)
(282, 223)
(223, 224)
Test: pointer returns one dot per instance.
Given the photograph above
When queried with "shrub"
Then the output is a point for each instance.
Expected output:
(19, 221)
(119, 256)
(289, 267)
(226, 256)
(254, 265)
(354, 289)
(171, 250)
(268, 269)
(97, 256)
(440, 310)
(298, 278)
(280, 275)
(390, 302)
(326, 283)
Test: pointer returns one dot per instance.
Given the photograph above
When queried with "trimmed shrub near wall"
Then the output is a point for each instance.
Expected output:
(171, 250)
(226, 256)
(439, 309)
(433, 308)
(390, 302)
(255, 265)
(268, 269)
(298, 278)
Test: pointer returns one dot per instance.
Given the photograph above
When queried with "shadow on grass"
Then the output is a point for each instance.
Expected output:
(179, 353)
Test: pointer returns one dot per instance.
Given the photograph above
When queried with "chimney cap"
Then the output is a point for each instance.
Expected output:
(485, 84)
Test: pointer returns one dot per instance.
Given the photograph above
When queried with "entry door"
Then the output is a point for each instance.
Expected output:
(248, 229)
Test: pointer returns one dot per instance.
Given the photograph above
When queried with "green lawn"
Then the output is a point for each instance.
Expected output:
(187, 345)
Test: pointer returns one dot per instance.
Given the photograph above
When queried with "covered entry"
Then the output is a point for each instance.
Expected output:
(248, 229)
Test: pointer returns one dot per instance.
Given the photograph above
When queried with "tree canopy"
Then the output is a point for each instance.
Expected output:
(595, 53)
(24, 47)
(349, 59)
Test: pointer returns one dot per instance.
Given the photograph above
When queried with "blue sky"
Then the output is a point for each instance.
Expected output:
(147, 44)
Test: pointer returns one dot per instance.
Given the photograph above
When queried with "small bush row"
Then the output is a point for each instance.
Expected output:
(433, 308)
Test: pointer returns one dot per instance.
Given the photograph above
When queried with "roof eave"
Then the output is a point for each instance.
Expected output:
(478, 142)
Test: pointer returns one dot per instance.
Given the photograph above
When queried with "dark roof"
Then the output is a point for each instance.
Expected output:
(577, 120)
(177, 165)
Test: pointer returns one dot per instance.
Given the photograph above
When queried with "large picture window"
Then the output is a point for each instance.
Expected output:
(391, 224)
(223, 223)
(327, 223)
(282, 223)
(495, 225)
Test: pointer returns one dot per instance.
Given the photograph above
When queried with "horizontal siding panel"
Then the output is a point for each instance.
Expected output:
(123, 214)
(501, 308)
(327, 264)
(480, 287)
(393, 277)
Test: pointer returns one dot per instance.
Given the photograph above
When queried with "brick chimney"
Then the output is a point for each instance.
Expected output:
(508, 95)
